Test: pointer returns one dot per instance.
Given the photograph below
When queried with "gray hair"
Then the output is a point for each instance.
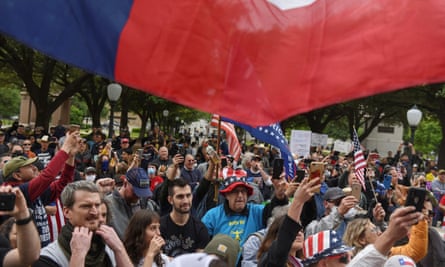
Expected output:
(67, 196)
(277, 212)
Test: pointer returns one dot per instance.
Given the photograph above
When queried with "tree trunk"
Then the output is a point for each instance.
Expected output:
(441, 160)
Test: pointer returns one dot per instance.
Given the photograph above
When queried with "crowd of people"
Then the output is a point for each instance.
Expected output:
(160, 201)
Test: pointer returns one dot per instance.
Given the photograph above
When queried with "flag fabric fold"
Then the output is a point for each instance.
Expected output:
(271, 134)
(359, 160)
(255, 61)
(231, 137)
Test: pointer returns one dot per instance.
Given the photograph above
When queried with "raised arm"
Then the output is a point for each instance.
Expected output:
(28, 240)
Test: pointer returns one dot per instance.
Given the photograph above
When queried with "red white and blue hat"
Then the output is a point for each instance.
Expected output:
(233, 181)
(323, 244)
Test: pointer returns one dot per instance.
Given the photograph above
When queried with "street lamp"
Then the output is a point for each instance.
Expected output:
(413, 115)
(114, 91)
(165, 113)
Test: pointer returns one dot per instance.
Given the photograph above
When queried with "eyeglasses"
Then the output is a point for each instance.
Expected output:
(26, 144)
(239, 190)
(342, 258)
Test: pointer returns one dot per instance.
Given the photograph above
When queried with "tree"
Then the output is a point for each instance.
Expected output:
(48, 82)
(95, 96)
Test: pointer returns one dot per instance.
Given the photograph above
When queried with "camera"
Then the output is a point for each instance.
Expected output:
(7, 201)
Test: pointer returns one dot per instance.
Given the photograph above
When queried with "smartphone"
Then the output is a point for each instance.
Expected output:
(300, 176)
(416, 197)
(316, 169)
(277, 170)
(7, 201)
(356, 190)
(387, 181)
(139, 152)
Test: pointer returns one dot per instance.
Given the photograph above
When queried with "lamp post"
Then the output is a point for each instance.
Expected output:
(165, 114)
(114, 91)
(413, 115)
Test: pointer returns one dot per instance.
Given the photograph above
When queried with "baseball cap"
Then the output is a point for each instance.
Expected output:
(225, 247)
(138, 178)
(323, 244)
(233, 181)
(192, 259)
(399, 260)
(15, 163)
(90, 170)
(441, 171)
(333, 193)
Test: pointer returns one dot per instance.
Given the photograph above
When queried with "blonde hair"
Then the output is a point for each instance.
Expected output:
(354, 232)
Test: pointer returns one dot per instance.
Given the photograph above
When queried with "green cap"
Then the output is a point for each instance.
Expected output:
(225, 247)
(15, 163)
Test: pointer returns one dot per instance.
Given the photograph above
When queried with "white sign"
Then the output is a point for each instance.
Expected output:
(319, 140)
(300, 142)
(342, 147)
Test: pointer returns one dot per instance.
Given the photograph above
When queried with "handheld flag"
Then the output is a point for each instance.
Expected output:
(359, 160)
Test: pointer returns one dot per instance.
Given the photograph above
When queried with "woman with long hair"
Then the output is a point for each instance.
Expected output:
(296, 250)
(361, 232)
(143, 240)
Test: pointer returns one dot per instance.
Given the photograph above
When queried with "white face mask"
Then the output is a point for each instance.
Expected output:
(351, 213)
(90, 177)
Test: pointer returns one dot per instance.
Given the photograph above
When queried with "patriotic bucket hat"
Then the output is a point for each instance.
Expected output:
(323, 244)
(233, 181)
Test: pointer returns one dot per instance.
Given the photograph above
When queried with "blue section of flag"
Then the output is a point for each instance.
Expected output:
(84, 33)
(273, 135)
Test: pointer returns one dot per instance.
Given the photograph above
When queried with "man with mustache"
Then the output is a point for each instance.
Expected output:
(83, 241)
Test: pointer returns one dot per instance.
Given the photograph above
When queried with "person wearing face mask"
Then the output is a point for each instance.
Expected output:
(90, 174)
(155, 179)
(338, 209)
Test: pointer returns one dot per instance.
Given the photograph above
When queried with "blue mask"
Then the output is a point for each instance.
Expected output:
(151, 171)
(105, 165)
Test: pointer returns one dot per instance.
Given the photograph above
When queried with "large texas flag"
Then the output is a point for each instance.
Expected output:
(254, 61)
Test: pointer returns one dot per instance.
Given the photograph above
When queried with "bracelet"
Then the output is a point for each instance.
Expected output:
(24, 221)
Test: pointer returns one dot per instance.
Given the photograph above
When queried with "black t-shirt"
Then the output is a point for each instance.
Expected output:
(183, 239)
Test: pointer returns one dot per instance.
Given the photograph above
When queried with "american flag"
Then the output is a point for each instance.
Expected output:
(273, 135)
(232, 139)
(359, 160)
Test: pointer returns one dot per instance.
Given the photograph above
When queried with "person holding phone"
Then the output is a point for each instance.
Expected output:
(28, 240)
(337, 212)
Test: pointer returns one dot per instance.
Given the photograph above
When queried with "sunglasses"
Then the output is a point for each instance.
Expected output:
(26, 144)
(342, 258)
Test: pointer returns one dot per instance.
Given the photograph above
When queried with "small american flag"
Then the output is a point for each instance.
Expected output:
(232, 139)
(359, 160)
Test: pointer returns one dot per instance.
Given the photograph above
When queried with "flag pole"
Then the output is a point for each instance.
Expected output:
(216, 185)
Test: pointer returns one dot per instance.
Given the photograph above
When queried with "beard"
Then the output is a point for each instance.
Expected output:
(183, 209)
